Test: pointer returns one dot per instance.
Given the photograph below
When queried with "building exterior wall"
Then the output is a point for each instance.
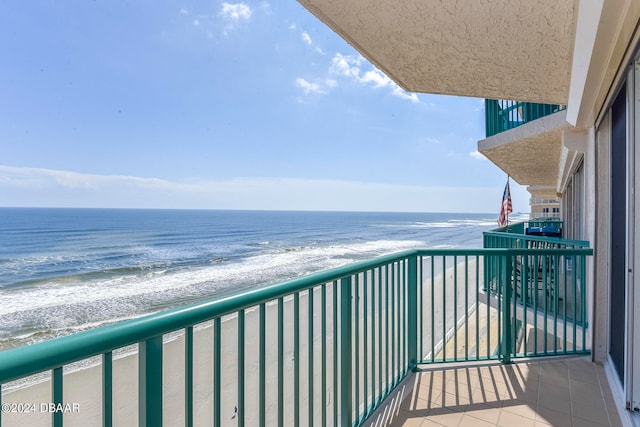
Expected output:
(545, 210)
(625, 384)
(600, 242)
(616, 47)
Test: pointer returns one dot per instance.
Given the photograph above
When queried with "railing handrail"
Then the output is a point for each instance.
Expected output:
(515, 224)
(24, 361)
(546, 239)
(543, 201)
(379, 318)
(502, 115)
(503, 233)
(56, 352)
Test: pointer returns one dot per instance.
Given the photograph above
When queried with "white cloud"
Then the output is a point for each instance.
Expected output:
(292, 26)
(401, 93)
(345, 65)
(30, 187)
(377, 78)
(21, 177)
(351, 67)
(308, 87)
(229, 17)
(307, 38)
(266, 6)
(477, 155)
(317, 87)
(236, 11)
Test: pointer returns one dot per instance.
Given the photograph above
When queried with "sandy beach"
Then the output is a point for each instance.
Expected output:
(453, 297)
(82, 388)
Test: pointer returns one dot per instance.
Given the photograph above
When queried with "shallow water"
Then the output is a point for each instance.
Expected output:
(65, 270)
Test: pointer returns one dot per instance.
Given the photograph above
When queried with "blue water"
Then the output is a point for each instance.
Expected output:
(65, 270)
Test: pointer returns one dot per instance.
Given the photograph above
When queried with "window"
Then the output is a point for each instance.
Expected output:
(574, 206)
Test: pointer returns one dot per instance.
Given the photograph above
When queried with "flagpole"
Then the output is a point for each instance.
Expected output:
(508, 178)
(505, 209)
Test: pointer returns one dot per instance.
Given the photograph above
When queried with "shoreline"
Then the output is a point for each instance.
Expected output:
(83, 386)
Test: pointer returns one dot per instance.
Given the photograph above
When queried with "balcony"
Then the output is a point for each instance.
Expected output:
(526, 141)
(569, 391)
(539, 201)
(334, 348)
(502, 115)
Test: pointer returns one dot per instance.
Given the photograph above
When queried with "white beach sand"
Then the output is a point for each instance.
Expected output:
(83, 387)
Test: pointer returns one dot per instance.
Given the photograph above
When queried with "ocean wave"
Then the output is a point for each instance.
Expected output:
(81, 302)
(65, 276)
(455, 223)
(92, 268)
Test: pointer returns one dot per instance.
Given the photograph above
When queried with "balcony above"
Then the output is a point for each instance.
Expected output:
(538, 201)
(502, 115)
(531, 151)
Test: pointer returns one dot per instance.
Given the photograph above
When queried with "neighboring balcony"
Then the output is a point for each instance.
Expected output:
(337, 347)
(502, 115)
(526, 141)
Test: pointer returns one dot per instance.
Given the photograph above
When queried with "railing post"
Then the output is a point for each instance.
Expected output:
(346, 405)
(507, 283)
(57, 396)
(491, 117)
(412, 311)
(241, 370)
(487, 243)
(188, 377)
(262, 405)
(150, 382)
(107, 389)
(217, 370)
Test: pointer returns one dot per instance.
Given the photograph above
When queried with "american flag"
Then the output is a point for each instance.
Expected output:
(506, 208)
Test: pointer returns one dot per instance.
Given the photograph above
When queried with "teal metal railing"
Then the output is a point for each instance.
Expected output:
(553, 285)
(502, 115)
(513, 227)
(504, 239)
(320, 350)
(544, 222)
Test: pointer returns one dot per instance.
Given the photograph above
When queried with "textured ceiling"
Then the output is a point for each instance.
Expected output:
(530, 161)
(531, 153)
(500, 49)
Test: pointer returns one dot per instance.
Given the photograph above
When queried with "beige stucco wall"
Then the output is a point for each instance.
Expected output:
(589, 226)
(600, 270)
(580, 148)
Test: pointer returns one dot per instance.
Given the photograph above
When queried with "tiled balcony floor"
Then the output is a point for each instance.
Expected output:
(570, 391)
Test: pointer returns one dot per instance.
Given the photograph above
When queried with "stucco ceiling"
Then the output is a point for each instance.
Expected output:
(531, 153)
(500, 49)
(530, 161)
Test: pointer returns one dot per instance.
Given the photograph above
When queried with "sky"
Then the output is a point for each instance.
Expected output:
(223, 105)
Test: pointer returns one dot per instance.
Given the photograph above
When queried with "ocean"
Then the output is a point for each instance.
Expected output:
(67, 270)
